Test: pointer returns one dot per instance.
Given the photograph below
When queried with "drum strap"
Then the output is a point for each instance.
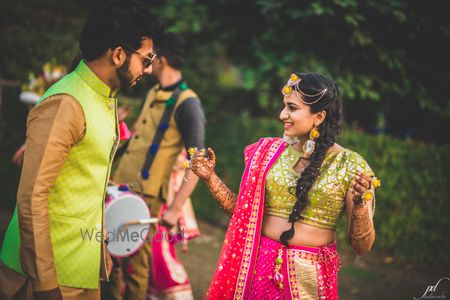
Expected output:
(121, 150)
(161, 129)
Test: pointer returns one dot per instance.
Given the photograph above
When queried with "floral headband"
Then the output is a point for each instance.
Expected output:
(293, 86)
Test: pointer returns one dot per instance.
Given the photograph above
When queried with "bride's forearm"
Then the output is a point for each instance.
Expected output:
(362, 232)
(224, 196)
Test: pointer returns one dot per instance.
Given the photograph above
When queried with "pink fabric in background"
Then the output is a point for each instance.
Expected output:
(124, 132)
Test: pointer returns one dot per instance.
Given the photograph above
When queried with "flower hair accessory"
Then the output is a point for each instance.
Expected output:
(293, 86)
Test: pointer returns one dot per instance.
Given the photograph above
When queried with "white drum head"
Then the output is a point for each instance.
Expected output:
(126, 240)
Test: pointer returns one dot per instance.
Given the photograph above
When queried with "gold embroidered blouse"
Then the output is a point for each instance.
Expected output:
(326, 196)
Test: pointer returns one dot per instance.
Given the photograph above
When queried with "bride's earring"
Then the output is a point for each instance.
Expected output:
(290, 140)
(310, 145)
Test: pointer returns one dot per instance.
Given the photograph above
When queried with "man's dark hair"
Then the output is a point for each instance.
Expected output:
(117, 23)
(171, 46)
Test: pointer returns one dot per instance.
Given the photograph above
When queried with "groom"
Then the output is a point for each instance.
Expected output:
(72, 135)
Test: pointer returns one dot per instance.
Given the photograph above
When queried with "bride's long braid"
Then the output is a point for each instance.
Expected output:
(312, 83)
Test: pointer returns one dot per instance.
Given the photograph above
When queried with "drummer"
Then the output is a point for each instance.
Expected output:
(147, 161)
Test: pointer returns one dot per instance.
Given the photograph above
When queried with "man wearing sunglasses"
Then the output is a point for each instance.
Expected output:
(184, 127)
(72, 135)
(133, 69)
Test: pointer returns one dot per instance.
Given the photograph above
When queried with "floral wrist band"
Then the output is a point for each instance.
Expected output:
(191, 151)
(370, 193)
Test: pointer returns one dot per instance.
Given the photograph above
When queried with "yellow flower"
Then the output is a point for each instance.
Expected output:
(287, 90)
(367, 196)
(314, 133)
(191, 151)
(294, 77)
(186, 164)
(376, 182)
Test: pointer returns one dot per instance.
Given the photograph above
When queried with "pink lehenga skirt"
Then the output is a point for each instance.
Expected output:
(296, 272)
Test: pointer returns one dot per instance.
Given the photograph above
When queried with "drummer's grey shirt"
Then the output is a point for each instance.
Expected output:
(190, 119)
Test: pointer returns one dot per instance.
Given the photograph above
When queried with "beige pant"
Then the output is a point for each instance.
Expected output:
(14, 286)
(79, 294)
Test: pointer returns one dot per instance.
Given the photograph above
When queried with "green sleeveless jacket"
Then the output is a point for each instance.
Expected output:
(76, 199)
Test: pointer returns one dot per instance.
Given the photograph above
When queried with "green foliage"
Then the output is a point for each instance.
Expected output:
(390, 53)
(375, 50)
(34, 32)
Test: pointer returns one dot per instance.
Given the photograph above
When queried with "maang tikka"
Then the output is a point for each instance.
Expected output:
(293, 86)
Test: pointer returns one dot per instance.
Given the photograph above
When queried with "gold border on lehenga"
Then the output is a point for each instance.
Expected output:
(303, 274)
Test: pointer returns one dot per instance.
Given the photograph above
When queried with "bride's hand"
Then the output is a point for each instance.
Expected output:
(203, 166)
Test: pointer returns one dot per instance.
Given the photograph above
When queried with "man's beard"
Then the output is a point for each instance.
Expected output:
(124, 76)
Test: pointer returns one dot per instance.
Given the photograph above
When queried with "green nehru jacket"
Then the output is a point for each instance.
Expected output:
(76, 198)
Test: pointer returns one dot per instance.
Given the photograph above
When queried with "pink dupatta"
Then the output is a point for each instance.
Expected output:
(234, 272)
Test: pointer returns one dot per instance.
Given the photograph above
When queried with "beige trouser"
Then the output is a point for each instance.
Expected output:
(14, 286)
(79, 294)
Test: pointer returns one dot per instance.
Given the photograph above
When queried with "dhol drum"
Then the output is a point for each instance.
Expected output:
(128, 220)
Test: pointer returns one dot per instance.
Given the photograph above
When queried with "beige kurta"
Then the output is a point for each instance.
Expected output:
(53, 128)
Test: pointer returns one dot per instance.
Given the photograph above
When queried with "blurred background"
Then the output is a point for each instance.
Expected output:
(390, 58)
